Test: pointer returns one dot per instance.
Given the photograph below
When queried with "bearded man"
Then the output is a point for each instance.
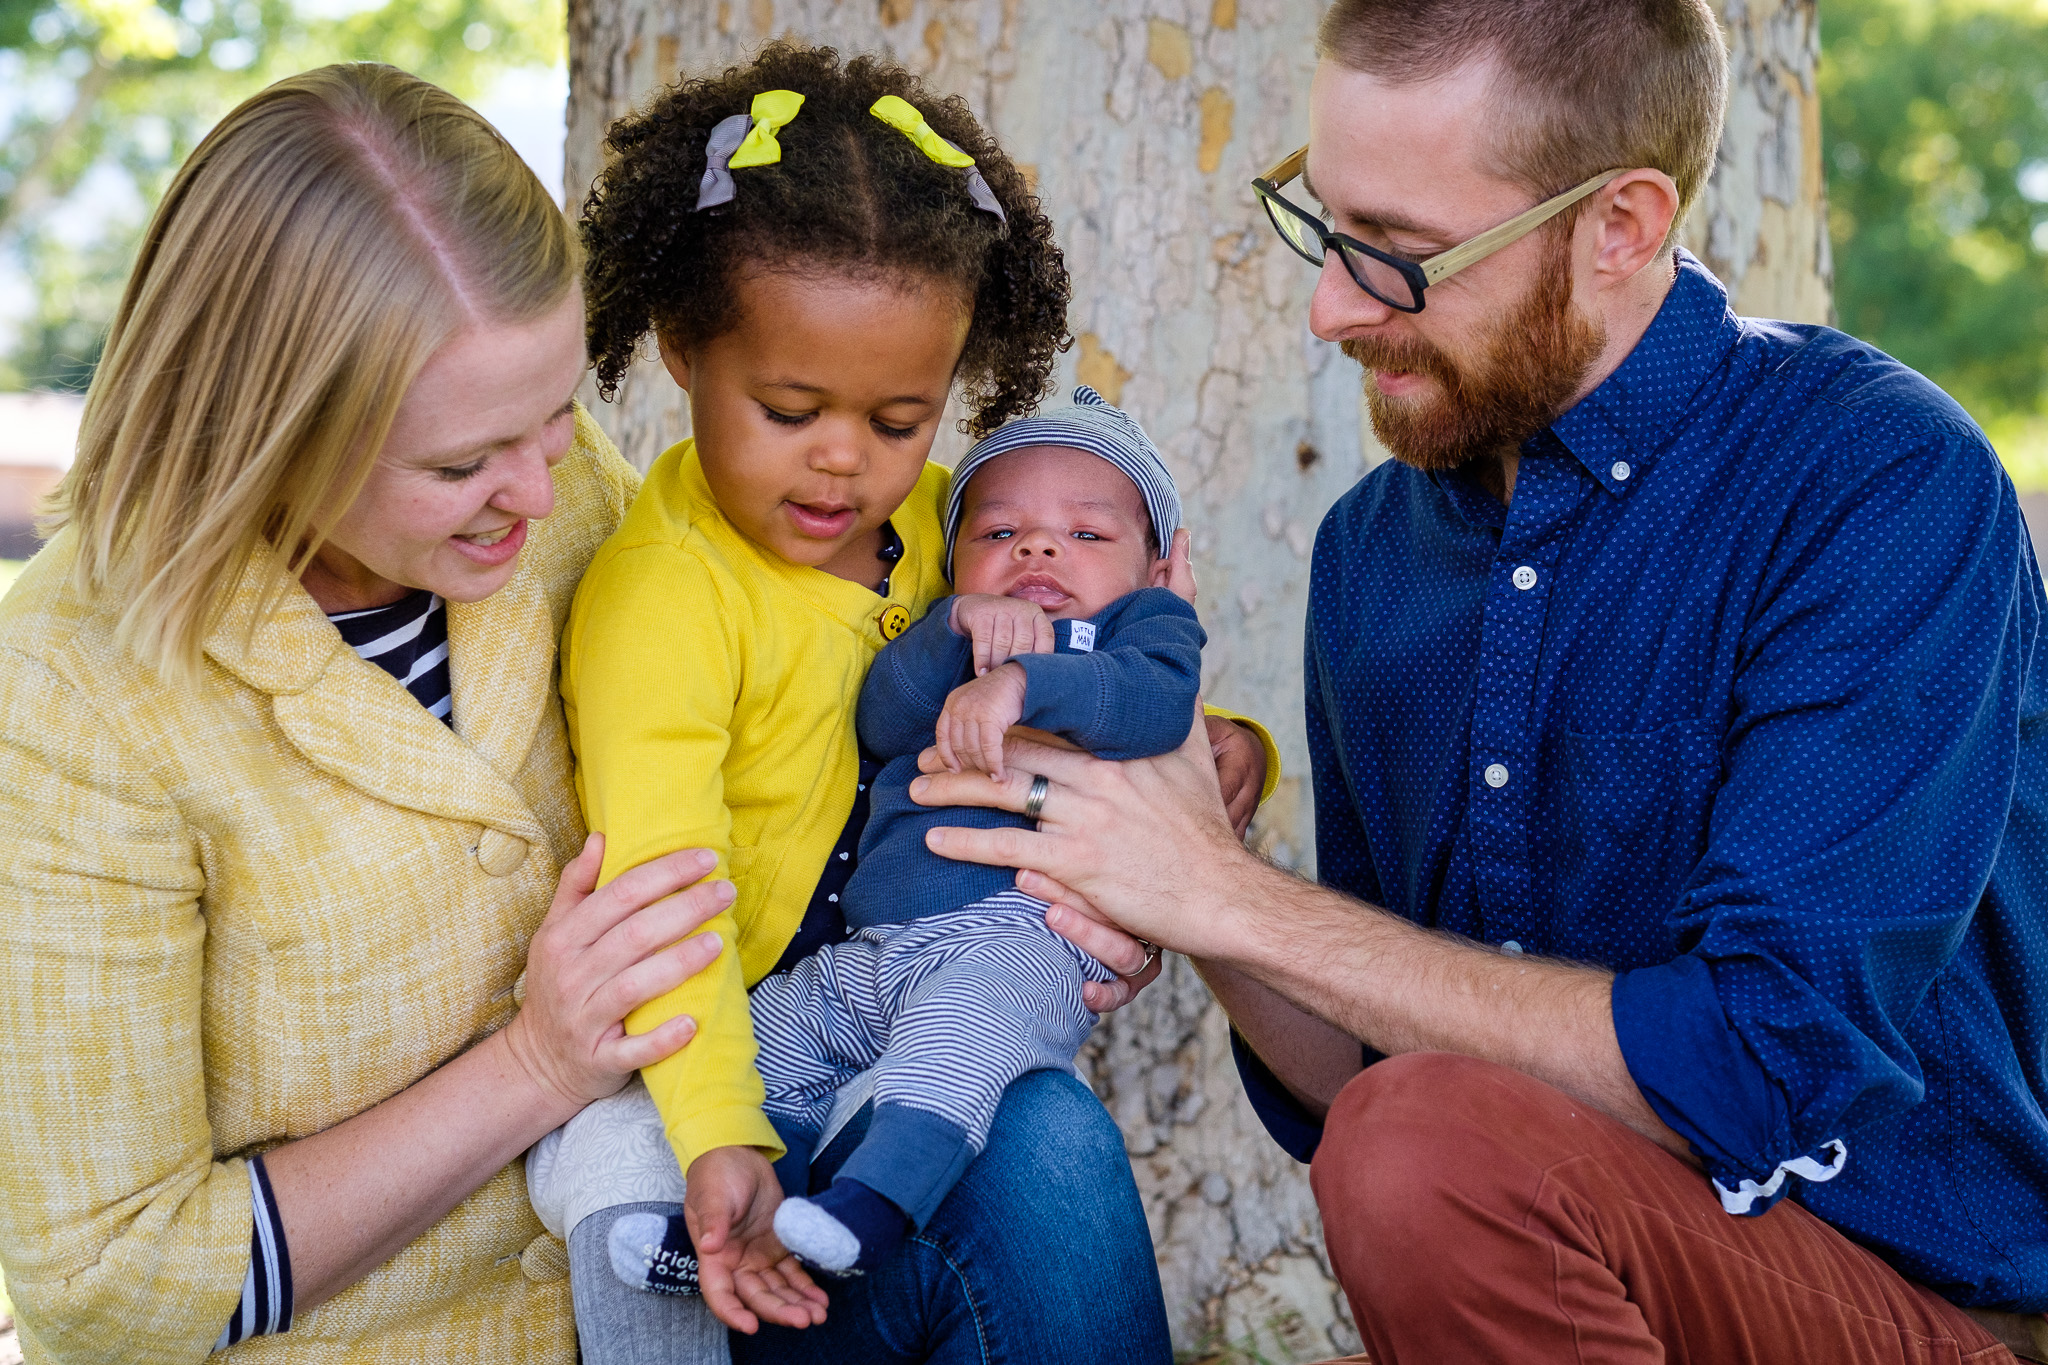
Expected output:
(1677, 987)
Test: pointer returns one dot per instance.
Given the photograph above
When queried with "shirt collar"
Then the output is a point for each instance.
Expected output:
(1625, 423)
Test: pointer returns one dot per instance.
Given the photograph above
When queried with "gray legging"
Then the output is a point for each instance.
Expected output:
(618, 1325)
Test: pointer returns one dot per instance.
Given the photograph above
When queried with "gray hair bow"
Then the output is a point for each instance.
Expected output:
(726, 136)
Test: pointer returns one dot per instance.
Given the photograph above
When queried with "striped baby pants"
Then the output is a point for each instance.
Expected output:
(947, 1011)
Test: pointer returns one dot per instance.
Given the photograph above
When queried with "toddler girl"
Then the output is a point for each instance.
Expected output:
(823, 252)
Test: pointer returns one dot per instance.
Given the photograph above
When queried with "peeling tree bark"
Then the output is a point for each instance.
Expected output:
(1762, 225)
(1142, 122)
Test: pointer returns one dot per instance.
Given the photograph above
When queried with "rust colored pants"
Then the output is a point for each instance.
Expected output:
(1474, 1214)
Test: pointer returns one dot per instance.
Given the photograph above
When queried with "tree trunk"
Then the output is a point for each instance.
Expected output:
(1142, 122)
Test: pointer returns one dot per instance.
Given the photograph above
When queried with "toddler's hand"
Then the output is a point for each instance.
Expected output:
(1001, 627)
(970, 729)
(729, 1202)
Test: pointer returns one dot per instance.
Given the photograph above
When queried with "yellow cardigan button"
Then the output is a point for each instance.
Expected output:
(499, 853)
(893, 621)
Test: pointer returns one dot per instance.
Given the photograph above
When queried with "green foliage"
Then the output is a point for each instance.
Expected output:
(101, 99)
(1935, 118)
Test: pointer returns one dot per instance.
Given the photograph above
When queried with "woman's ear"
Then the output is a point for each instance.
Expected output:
(675, 361)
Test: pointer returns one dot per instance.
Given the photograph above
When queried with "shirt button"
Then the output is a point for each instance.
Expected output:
(1621, 471)
(1525, 578)
(1511, 946)
(1496, 775)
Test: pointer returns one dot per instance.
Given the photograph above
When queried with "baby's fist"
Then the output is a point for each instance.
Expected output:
(976, 715)
(1001, 628)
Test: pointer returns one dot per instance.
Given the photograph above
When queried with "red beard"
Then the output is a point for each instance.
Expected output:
(1528, 374)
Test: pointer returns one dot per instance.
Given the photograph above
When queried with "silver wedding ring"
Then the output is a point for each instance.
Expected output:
(1151, 956)
(1034, 801)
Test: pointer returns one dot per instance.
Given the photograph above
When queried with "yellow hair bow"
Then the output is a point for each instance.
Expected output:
(903, 116)
(771, 110)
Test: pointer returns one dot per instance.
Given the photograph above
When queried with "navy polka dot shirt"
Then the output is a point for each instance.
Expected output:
(1738, 698)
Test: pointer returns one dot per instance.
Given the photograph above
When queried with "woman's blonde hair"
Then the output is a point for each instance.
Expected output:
(316, 248)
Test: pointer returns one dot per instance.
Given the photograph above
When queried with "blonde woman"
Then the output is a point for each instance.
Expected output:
(286, 808)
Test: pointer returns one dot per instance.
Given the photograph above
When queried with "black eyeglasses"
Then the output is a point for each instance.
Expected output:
(1393, 281)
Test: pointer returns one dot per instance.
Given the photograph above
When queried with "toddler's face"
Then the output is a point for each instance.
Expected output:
(1059, 527)
(814, 415)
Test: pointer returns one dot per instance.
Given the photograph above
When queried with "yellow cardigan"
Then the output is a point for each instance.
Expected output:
(235, 917)
(710, 690)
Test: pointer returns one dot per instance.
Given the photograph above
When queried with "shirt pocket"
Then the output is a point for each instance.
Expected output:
(1631, 819)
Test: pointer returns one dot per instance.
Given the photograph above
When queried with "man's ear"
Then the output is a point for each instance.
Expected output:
(1631, 218)
(675, 361)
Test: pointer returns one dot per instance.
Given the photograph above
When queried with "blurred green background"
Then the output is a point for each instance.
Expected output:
(101, 99)
(1935, 118)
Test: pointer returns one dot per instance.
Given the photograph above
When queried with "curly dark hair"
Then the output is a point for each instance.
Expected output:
(850, 193)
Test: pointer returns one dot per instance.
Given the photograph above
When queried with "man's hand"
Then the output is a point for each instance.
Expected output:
(1240, 769)
(970, 729)
(743, 1271)
(1001, 628)
(1145, 841)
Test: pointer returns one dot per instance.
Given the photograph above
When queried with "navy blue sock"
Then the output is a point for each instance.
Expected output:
(820, 1228)
(652, 1252)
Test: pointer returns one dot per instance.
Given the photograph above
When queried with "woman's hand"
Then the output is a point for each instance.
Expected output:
(729, 1202)
(354, 1195)
(599, 955)
(1240, 769)
(1137, 964)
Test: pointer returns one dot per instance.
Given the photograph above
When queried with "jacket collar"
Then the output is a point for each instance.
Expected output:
(353, 721)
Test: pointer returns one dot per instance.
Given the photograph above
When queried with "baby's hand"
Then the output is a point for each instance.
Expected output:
(1002, 628)
(729, 1203)
(970, 730)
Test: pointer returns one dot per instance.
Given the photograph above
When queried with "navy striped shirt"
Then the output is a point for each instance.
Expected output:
(266, 1305)
(408, 640)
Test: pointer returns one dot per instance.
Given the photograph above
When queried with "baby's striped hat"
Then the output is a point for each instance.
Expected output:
(1091, 425)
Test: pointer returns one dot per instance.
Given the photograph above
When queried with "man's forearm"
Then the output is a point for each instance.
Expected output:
(1375, 977)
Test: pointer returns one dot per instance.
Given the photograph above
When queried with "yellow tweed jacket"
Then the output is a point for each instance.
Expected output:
(236, 917)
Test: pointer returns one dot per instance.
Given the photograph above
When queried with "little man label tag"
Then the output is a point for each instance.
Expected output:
(1081, 637)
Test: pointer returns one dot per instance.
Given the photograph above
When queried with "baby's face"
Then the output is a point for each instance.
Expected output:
(1059, 527)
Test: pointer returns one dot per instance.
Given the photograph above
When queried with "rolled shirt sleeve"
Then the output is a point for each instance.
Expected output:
(1866, 777)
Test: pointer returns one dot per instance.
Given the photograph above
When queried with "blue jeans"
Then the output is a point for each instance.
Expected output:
(1040, 1253)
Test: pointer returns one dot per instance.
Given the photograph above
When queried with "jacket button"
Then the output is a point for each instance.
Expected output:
(544, 1259)
(499, 853)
